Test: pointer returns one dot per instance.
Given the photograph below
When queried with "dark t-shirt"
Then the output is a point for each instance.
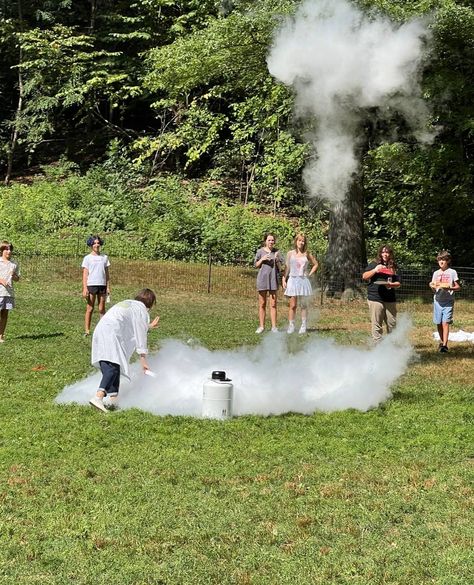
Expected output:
(379, 292)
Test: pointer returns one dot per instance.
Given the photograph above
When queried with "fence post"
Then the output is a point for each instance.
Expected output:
(209, 269)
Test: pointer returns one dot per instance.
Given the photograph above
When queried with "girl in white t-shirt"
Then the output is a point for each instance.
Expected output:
(9, 273)
(95, 280)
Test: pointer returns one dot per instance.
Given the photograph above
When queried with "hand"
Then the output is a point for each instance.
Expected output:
(379, 267)
(85, 293)
(283, 283)
(154, 323)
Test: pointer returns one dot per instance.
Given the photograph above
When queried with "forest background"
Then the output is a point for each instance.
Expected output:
(158, 123)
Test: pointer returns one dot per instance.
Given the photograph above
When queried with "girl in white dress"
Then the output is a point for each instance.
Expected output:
(296, 283)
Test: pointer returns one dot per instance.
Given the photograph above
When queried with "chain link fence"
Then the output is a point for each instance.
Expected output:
(226, 280)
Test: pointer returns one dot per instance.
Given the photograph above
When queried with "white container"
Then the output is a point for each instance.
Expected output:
(217, 394)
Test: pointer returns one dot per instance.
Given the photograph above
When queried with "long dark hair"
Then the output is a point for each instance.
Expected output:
(391, 260)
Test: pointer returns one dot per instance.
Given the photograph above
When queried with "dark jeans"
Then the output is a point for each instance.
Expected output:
(110, 382)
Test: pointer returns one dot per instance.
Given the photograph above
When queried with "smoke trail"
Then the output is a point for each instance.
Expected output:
(343, 63)
(267, 379)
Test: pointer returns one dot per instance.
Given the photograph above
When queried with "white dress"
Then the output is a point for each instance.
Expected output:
(298, 284)
(120, 332)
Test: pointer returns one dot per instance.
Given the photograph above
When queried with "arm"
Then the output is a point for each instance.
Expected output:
(368, 274)
(287, 270)
(260, 260)
(315, 264)
(278, 260)
(107, 279)
(456, 286)
(143, 362)
(154, 323)
(394, 284)
(85, 275)
(15, 274)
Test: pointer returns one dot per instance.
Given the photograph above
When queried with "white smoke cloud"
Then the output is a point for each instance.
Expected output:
(342, 62)
(268, 379)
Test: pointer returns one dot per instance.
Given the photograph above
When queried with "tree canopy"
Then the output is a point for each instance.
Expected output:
(182, 89)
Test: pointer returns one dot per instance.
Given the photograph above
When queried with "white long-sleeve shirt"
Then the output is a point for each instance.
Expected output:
(120, 332)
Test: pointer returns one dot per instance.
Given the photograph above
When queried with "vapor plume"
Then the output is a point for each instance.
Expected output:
(267, 379)
(342, 64)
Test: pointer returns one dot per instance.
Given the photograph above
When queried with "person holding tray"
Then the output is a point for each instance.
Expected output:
(383, 279)
(444, 283)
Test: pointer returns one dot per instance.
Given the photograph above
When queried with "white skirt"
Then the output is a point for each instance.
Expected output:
(298, 286)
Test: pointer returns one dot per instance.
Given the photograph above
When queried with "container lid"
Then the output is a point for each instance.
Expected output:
(220, 375)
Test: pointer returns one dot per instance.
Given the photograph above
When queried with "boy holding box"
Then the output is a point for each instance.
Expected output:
(444, 283)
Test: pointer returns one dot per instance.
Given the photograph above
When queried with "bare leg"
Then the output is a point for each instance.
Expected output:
(445, 336)
(262, 307)
(439, 326)
(273, 308)
(3, 321)
(89, 311)
(101, 305)
(292, 308)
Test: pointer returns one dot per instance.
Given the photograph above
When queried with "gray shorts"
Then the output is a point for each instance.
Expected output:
(7, 303)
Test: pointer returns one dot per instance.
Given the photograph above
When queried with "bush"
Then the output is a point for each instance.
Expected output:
(170, 219)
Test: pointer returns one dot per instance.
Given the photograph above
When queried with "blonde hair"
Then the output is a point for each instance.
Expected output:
(297, 237)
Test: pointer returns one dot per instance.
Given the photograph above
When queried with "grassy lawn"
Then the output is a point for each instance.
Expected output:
(131, 498)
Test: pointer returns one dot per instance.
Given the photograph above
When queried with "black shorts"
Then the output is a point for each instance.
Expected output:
(97, 290)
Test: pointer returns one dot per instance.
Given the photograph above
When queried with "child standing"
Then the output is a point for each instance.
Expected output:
(296, 283)
(269, 263)
(383, 280)
(95, 280)
(118, 334)
(444, 283)
(9, 273)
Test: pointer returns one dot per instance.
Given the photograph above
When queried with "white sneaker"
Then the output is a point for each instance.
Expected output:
(97, 402)
(259, 330)
(302, 329)
(291, 328)
(2, 339)
(274, 329)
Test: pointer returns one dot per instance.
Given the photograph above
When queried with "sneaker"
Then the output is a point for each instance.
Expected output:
(291, 328)
(111, 403)
(302, 329)
(259, 330)
(443, 349)
(2, 339)
(86, 334)
(274, 329)
(97, 402)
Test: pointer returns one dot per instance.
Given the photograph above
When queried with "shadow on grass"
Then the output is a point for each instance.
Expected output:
(40, 335)
(412, 396)
(433, 356)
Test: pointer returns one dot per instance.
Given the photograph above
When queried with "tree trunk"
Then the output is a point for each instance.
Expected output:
(19, 108)
(346, 247)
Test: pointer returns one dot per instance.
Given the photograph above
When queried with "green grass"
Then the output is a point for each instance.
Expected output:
(131, 498)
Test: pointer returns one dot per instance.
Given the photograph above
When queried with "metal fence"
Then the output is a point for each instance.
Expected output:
(211, 278)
